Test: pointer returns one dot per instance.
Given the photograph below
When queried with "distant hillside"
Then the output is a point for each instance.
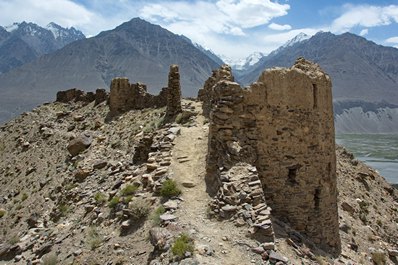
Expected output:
(360, 69)
(136, 49)
(23, 42)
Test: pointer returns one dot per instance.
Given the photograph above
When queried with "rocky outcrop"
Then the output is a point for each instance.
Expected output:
(283, 126)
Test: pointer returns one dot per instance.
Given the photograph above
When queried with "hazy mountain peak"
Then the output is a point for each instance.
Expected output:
(64, 33)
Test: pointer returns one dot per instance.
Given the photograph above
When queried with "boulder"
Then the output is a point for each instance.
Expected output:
(79, 144)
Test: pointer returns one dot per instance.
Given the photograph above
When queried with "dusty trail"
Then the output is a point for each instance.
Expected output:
(188, 165)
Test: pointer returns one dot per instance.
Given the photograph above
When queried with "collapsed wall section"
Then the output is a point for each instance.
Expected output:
(125, 96)
(283, 125)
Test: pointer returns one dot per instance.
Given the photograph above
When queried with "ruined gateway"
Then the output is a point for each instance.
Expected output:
(271, 146)
(282, 126)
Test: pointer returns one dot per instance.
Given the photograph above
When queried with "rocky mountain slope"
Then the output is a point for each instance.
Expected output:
(23, 42)
(360, 69)
(107, 204)
(365, 117)
(136, 49)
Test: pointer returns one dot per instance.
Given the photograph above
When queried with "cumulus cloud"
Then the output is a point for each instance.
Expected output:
(64, 12)
(275, 26)
(223, 17)
(364, 32)
(392, 40)
(365, 16)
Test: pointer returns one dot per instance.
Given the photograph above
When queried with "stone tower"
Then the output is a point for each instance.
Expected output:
(173, 93)
(283, 125)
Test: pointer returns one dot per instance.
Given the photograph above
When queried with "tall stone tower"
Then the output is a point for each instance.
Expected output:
(283, 125)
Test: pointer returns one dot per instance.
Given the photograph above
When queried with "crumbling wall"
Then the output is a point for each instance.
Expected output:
(173, 94)
(283, 125)
(125, 96)
(206, 94)
(75, 95)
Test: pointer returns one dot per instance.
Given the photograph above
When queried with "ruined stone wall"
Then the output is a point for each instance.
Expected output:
(206, 94)
(173, 94)
(125, 96)
(282, 124)
(75, 95)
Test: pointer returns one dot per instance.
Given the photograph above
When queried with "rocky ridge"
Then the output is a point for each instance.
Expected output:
(92, 206)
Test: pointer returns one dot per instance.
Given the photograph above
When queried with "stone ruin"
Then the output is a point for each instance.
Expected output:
(76, 95)
(125, 96)
(280, 133)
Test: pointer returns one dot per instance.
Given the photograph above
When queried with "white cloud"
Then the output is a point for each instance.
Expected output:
(64, 12)
(392, 40)
(275, 26)
(223, 17)
(364, 32)
(366, 16)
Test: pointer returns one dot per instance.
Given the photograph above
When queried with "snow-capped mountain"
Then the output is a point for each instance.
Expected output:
(23, 42)
(242, 64)
(299, 38)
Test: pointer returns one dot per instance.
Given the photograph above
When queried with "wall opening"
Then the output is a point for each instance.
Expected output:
(292, 175)
(315, 96)
(317, 198)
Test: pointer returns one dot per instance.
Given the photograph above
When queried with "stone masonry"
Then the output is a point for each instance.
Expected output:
(125, 96)
(173, 93)
(283, 126)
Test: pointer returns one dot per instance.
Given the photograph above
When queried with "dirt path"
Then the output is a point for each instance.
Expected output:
(188, 165)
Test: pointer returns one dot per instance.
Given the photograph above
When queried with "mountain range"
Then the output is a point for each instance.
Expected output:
(23, 42)
(362, 72)
(360, 69)
(136, 49)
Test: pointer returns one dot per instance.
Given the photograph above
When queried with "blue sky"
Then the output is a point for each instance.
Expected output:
(234, 28)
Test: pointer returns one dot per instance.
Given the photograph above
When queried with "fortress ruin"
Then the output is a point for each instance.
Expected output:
(283, 127)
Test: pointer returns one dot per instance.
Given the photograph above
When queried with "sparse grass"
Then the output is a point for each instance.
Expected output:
(169, 189)
(155, 216)
(379, 258)
(114, 202)
(129, 190)
(50, 259)
(63, 209)
(140, 209)
(24, 197)
(100, 198)
(127, 199)
(183, 244)
(13, 240)
(321, 260)
(94, 239)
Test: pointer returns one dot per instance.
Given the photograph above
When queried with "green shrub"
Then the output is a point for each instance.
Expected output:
(63, 209)
(169, 189)
(24, 196)
(129, 190)
(94, 239)
(182, 245)
(50, 259)
(100, 198)
(113, 202)
(139, 209)
(155, 216)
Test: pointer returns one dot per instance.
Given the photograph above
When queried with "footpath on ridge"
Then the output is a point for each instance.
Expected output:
(216, 243)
